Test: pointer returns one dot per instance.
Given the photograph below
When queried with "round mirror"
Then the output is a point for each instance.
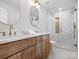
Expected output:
(34, 18)
(9, 11)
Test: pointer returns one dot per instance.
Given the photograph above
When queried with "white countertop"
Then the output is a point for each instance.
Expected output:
(4, 40)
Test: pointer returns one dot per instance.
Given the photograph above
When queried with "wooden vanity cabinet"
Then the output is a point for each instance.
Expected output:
(15, 56)
(43, 47)
(38, 50)
(25, 54)
(31, 48)
(46, 45)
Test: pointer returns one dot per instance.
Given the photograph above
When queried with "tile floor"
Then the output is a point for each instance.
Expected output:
(60, 53)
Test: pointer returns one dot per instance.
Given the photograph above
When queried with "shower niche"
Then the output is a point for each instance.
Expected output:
(57, 25)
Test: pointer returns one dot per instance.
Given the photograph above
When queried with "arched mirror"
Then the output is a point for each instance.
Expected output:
(34, 18)
(9, 11)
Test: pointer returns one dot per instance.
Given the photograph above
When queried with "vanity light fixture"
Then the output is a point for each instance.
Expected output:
(35, 3)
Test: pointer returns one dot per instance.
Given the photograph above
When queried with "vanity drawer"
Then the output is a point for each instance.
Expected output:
(39, 39)
(14, 47)
(46, 37)
(34, 39)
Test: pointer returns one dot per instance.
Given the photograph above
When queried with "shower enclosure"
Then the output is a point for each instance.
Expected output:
(67, 36)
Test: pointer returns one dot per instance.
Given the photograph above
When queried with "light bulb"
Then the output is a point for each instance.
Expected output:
(60, 9)
(37, 4)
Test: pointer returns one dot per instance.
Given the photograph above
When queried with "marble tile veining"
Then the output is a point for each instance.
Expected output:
(59, 53)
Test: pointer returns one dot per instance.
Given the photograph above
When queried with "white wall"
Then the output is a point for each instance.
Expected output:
(12, 12)
(46, 22)
(44, 18)
(23, 23)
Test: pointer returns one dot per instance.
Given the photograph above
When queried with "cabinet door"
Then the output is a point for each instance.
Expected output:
(28, 53)
(38, 50)
(46, 46)
(25, 54)
(16, 56)
(44, 49)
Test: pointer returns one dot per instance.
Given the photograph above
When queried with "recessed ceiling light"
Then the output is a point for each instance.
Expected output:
(60, 9)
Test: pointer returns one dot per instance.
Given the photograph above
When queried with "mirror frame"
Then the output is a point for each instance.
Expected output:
(36, 19)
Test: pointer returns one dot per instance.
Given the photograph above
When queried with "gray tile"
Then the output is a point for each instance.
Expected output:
(59, 53)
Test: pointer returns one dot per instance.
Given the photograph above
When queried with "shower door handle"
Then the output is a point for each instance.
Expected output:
(74, 27)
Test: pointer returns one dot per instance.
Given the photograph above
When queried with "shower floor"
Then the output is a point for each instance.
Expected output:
(66, 46)
(66, 41)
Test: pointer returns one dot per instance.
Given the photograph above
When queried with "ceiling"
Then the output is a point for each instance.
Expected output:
(53, 5)
(12, 2)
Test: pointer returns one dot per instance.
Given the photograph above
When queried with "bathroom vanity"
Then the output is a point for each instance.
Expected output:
(27, 47)
(24, 46)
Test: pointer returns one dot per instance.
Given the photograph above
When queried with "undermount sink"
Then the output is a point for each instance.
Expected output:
(15, 36)
(12, 38)
(18, 36)
(5, 37)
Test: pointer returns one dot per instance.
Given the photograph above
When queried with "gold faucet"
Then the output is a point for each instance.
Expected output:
(10, 28)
